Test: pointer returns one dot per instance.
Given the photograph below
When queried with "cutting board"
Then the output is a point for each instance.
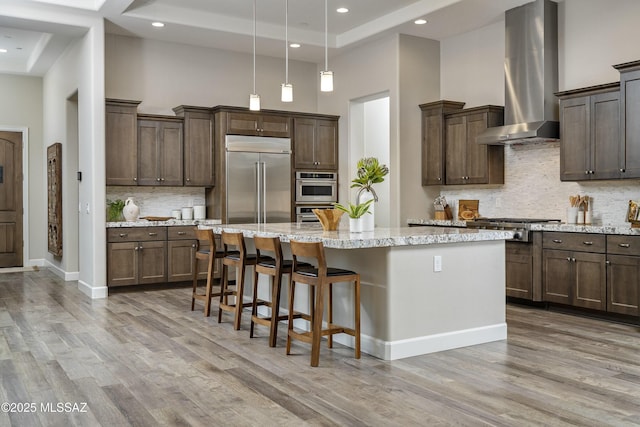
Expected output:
(468, 210)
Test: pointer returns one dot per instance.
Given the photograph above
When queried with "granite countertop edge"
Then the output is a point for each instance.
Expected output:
(621, 229)
(167, 223)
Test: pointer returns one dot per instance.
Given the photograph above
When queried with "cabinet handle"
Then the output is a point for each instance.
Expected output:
(193, 245)
(624, 245)
(158, 179)
(135, 179)
(587, 243)
(557, 241)
(622, 170)
(573, 260)
(181, 233)
(586, 172)
(140, 247)
(188, 179)
(607, 262)
(153, 234)
(123, 235)
(569, 258)
(161, 179)
(439, 179)
(136, 248)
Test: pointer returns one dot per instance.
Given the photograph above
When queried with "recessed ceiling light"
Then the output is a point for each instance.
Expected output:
(158, 24)
(420, 21)
(342, 10)
(3, 50)
(294, 45)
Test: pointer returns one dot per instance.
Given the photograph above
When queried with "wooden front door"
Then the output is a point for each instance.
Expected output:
(10, 199)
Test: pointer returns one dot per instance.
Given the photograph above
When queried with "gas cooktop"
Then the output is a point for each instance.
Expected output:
(520, 226)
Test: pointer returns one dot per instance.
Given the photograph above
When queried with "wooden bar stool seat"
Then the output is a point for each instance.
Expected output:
(239, 259)
(205, 252)
(320, 280)
(273, 266)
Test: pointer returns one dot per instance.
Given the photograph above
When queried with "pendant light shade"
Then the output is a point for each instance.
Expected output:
(254, 98)
(326, 76)
(287, 88)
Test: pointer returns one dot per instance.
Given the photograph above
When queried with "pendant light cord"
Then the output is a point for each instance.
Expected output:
(254, 46)
(286, 41)
(326, 55)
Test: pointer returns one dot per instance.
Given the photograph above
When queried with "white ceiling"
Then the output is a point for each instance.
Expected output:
(33, 44)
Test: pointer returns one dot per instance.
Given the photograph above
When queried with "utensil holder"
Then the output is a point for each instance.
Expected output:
(440, 215)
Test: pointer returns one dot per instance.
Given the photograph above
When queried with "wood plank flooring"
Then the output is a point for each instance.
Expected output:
(145, 359)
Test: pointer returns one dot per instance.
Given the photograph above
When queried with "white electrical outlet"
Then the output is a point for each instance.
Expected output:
(437, 263)
(498, 202)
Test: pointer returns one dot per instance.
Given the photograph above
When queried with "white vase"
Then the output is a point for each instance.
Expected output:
(368, 219)
(130, 210)
(355, 225)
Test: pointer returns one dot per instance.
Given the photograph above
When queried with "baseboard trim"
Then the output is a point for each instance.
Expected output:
(91, 292)
(64, 275)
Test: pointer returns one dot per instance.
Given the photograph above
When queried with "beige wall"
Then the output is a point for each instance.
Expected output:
(25, 111)
(593, 35)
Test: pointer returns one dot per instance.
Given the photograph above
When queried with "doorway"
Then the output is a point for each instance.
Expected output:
(11, 213)
(369, 127)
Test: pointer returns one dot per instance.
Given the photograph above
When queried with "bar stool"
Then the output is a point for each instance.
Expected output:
(274, 267)
(320, 280)
(206, 253)
(238, 259)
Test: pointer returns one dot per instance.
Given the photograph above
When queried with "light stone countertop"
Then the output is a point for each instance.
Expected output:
(380, 237)
(621, 229)
(168, 223)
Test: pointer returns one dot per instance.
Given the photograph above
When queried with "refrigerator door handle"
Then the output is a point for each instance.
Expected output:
(264, 192)
(258, 192)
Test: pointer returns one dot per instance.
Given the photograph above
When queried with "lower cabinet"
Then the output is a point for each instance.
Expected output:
(146, 255)
(519, 270)
(623, 274)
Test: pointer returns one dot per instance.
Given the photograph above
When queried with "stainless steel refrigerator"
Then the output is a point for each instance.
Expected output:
(258, 179)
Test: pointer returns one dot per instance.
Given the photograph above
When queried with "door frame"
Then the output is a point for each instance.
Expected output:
(26, 261)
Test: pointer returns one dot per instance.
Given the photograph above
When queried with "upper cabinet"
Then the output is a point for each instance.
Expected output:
(629, 113)
(198, 146)
(121, 144)
(466, 161)
(591, 146)
(315, 143)
(160, 155)
(433, 139)
(258, 124)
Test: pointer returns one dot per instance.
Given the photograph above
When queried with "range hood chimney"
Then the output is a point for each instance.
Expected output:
(531, 76)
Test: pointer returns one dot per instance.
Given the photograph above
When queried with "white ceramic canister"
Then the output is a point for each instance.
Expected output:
(187, 213)
(199, 212)
(130, 211)
(176, 214)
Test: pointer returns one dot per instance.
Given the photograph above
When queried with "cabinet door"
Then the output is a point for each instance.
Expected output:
(575, 145)
(456, 143)
(152, 259)
(171, 157)
(242, 123)
(606, 142)
(198, 150)
(623, 278)
(122, 262)
(276, 126)
(304, 136)
(557, 276)
(121, 150)
(180, 255)
(590, 280)
(630, 101)
(476, 154)
(148, 152)
(519, 270)
(432, 147)
(326, 145)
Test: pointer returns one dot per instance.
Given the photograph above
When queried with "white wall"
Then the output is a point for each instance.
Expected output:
(594, 35)
(22, 108)
(164, 75)
(376, 139)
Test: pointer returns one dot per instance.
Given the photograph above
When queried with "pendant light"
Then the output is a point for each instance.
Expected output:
(326, 76)
(287, 88)
(254, 98)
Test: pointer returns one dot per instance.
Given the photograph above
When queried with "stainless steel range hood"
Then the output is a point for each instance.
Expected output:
(531, 76)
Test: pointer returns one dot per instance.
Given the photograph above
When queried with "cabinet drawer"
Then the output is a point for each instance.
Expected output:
(574, 241)
(136, 234)
(623, 245)
(186, 232)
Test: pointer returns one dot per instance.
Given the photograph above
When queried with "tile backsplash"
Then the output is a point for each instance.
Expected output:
(159, 201)
(533, 189)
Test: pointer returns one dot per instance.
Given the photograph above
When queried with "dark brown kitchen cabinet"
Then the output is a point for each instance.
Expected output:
(629, 113)
(315, 143)
(121, 144)
(136, 256)
(519, 270)
(160, 151)
(258, 124)
(198, 146)
(574, 269)
(623, 274)
(433, 139)
(468, 162)
(591, 145)
(181, 247)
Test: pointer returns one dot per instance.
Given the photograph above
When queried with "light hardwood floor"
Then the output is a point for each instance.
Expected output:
(144, 359)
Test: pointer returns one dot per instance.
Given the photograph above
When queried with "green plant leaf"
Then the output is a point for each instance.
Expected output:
(354, 211)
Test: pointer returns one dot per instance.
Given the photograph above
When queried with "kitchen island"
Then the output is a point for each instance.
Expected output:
(408, 309)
